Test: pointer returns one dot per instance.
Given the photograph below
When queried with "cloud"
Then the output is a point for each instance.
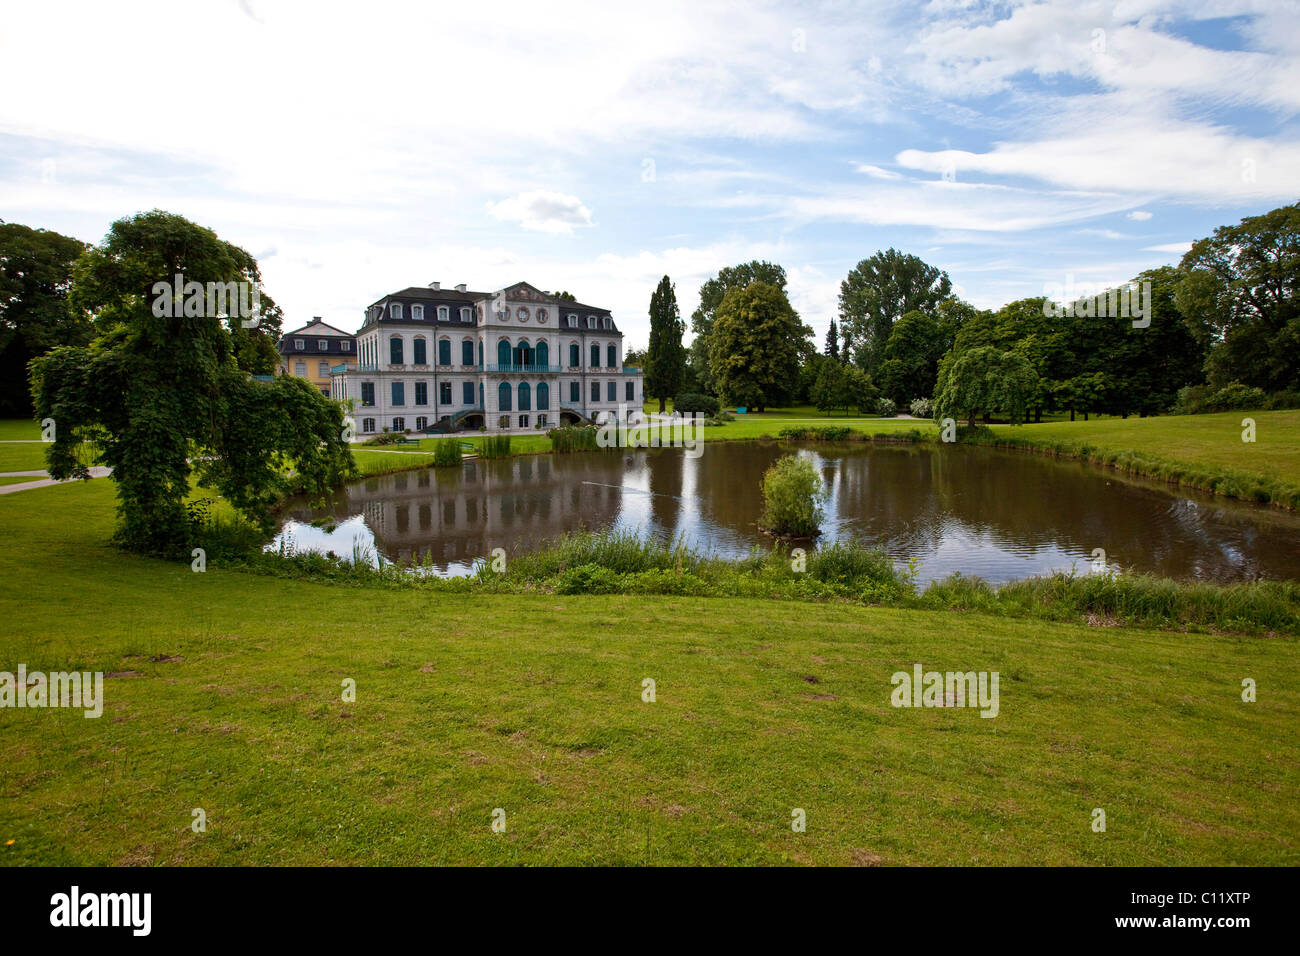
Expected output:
(876, 172)
(543, 211)
(1178, 247)
(1114, 145)
(1138, 215)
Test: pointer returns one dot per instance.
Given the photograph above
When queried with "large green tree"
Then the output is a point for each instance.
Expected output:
(665, 365)
(1239, 292)
(911, 360)
(755, 346)
(840, 387)
(712, 292)
(878, 291)
(35, 314)
(984, 380)
(163, 395)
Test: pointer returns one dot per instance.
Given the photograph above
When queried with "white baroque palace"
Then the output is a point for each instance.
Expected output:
(515, 360)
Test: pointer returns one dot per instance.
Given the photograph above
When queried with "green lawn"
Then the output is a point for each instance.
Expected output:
(226, 696)
(1211, 440)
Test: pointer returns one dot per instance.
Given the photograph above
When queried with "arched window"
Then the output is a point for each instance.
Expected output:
(503, 354)
(542, 355)
(523, 356)
(543, 396)
(395, 350)
(595, 355)
(444, 351)
(611, 354)
(467, 352)
(575, 359)
(525, 397)
(420, 357)
(503, 396)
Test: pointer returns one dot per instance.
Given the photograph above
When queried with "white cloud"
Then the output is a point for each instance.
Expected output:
(1178, 247)
(1138, 215)
(875, 172)
(543, 211)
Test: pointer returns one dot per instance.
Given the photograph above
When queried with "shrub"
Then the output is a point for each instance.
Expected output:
(494, 446)
(446, 453)
(832, 433)
(1237, 396)
(1287, 399)
(921, 408)
(792, 492)
(886, 408)
(571, 438)
(1199, 399)
(386, 438)
(689, 402)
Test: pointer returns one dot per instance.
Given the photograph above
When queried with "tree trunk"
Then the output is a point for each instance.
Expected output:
(1072, 414)
(661, 406)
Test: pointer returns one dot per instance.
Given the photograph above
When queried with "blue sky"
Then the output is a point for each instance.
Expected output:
(357, 149)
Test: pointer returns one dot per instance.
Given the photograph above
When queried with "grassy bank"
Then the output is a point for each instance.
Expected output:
(614, 563)
(225, 695)
(1205, 452)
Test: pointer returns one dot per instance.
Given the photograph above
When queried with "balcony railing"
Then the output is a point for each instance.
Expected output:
(529, 367)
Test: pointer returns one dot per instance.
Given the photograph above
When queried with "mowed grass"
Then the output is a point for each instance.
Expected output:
(226, 696)
(1209, 440)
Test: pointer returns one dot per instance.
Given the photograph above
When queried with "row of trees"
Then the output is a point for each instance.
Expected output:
(1228, 313)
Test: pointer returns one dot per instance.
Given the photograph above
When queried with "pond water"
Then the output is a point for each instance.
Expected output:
(996, 515)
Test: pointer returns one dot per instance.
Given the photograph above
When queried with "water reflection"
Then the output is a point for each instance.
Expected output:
(981, 512)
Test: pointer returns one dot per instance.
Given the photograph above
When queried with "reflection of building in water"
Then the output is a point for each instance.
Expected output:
(454, 516)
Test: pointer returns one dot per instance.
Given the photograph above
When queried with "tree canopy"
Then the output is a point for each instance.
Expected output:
(755, 346)
(162, 396)
(665, 366)
(1238, 292)
(880, 290)
(35, 313)
(984, 379)
(712, 292)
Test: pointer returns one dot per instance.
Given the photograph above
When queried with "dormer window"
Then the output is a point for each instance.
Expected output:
(605, 322)
(573, 321)
(444, 313)
(322, 345)
(395, 310)
(591, 321)
(299, 344)
(345, 346)
(465, 314)
(417, 313)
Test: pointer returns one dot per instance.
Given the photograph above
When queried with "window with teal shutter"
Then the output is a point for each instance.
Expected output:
(421, 356)
(444, 352)
(395, 351)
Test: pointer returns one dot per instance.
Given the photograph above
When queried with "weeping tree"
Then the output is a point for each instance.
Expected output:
(166, 393)
(984, 379)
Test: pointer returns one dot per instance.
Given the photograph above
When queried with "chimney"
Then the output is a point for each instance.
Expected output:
(461, 287)
(435, 286)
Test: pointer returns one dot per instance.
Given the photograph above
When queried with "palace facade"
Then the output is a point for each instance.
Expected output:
(515, 360)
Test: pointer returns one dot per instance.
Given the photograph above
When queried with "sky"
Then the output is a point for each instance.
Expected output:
(357, 149)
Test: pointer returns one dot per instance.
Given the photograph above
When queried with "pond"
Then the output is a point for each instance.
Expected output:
(978, 511)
